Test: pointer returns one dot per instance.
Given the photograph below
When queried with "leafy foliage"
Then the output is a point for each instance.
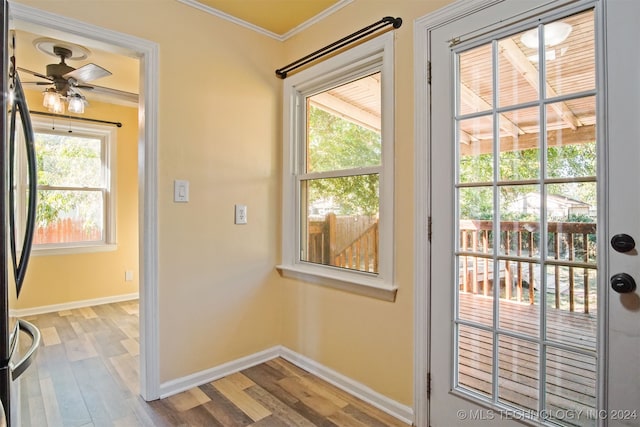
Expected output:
(67, 163)
(577, 160)
(337, 144)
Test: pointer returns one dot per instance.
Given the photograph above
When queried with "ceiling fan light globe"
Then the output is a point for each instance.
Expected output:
(76, 104)
(58, 108)
(51, 98)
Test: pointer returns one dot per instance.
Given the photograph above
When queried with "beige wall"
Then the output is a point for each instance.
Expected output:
(57, 279)
(365, 339)
(220, 128)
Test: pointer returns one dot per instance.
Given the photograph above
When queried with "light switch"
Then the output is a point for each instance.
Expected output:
(180, 191)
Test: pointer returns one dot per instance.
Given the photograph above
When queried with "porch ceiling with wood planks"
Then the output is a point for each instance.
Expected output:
(569, 68)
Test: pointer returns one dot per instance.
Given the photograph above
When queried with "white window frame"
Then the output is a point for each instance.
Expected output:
(373, 56)
(108, 137)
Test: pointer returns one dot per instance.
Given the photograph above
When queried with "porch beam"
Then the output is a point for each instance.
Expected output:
(582, 135)
(512, 53)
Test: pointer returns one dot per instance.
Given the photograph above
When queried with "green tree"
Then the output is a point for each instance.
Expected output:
(576, 160)
(337, 144)
(64, 161)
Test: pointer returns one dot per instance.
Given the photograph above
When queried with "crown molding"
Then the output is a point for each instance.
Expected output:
(280, 37)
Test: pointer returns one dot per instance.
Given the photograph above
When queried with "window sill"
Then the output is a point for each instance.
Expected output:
(353, 282)
(72, 250)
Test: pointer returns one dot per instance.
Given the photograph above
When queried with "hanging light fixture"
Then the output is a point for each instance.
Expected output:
(54, 102)
(51, 98)
(58, 107)
(76, 103)
(554, 33)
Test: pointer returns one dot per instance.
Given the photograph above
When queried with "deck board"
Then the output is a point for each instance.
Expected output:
(570, 376)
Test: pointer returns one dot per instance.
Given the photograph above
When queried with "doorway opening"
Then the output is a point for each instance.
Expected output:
(146, 52)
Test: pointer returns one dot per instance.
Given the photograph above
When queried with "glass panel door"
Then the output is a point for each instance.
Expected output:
(526, 203)
(532, 173)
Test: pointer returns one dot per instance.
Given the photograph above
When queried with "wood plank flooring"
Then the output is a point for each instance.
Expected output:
(86, 374)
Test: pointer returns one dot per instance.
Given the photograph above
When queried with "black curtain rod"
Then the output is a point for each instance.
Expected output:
(64, 116)
(387, 20)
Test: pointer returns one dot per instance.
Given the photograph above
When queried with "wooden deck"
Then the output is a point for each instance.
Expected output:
(570, 376)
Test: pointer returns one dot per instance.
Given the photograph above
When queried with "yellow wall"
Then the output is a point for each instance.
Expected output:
(220, 128)
(365, 339)
(57, 279)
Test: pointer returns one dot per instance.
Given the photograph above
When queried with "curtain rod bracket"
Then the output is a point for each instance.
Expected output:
(387, 20)
(396, 22)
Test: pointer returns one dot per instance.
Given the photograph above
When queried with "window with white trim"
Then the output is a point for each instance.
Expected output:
(338, 171)
(75, 170)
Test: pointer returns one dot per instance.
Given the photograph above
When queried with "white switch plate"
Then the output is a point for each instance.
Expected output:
(180, 191)
(128, 276)
(241, 214)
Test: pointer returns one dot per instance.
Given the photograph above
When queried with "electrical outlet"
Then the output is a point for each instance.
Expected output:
(128, 276)
(241, 214)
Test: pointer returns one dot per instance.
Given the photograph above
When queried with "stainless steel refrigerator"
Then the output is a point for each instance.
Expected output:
(19, 339)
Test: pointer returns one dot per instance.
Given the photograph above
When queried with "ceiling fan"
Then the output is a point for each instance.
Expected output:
(65, 81)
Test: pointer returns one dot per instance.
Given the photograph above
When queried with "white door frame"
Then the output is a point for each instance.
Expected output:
(147, 52)
(422, 167)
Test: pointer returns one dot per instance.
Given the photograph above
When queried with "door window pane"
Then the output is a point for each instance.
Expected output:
(476, 89)
(475, 359)
(571, 383)
(475, 138)
(570, 55)
(571, 153)
(517, 72)
(519, 144)
(518, 372)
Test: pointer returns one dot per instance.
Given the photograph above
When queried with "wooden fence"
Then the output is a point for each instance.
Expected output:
(571, 249)
(344, 241)
(65, 231)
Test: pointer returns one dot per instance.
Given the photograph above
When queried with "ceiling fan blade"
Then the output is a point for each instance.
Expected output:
(37, 83)
(88, 72)
(120, 95)
(33, 73)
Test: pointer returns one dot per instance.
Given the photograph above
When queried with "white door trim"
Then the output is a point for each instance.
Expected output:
(422, 109)
(147, 52)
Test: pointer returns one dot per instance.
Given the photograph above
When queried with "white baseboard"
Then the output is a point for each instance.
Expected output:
(401, 412)
(179, 385)
(395, 409)
(22, 312)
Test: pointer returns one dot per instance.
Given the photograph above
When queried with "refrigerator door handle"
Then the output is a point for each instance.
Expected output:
(19, 367)
(20, 106)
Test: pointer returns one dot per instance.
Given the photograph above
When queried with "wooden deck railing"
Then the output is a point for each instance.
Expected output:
(570, 250)
(344, 241)
(362, 253)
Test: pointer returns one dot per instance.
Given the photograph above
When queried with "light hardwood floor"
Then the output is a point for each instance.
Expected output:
(86, 374)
